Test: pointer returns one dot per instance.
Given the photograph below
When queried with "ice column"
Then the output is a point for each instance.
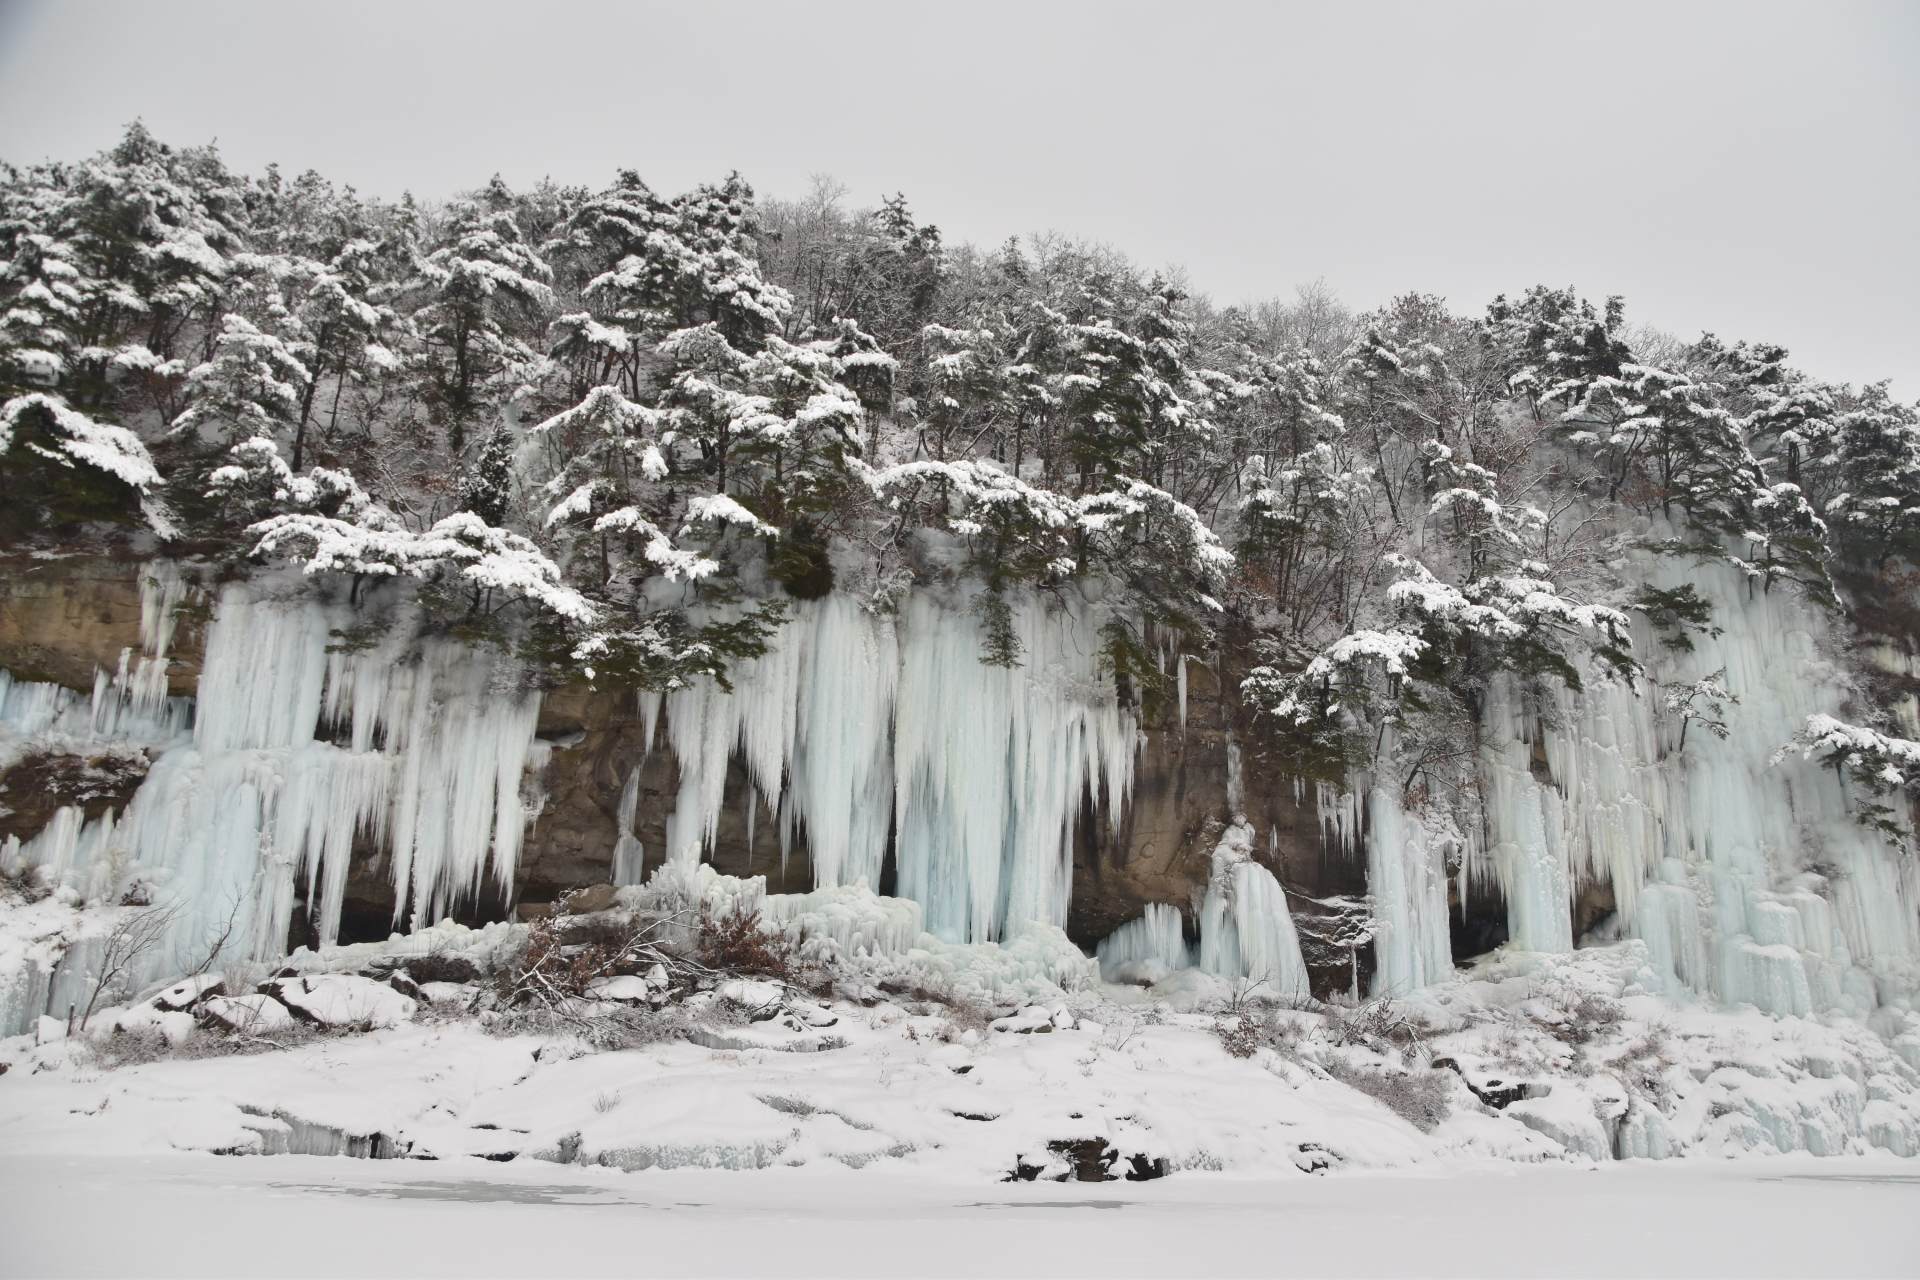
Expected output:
(1246, 928)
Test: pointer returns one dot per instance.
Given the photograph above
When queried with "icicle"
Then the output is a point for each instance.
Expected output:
(230, 821)
(1236, 785)
(1407, 878)
(651, 701)
(1152, 942)
(134, 704)
(851, 720)
(629, 858)
(1527, 822)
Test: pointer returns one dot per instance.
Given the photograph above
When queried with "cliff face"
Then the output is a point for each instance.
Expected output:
(1592, 819)
(63, 619)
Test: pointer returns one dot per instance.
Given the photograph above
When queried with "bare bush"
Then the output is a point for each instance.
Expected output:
(1578, 1017)
(1421, 1098)
(633, 1027)
(738, 942)
(1240, 1034)
(133, 937)
(1379, 1025)
(24, 882)
(136, 1046)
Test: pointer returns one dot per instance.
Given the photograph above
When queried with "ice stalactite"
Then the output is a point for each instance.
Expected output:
(460, 731)
(1406, 877)
(810, 719)
(992, 764)
(1246, 928)
(134, 702)
(629, 856)
(855, 725)
(1526, 827)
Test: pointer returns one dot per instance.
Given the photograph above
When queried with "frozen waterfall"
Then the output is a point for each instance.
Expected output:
(296, 749)
(857, 725)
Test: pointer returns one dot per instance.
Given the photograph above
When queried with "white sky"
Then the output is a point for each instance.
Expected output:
(1751, 168)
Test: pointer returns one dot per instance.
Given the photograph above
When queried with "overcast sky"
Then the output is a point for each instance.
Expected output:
(1751, 168)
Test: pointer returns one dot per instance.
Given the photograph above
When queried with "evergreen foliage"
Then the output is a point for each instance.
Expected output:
(621, 428)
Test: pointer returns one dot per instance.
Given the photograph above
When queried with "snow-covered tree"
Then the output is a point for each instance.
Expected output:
(486, 487)
(477, 291)
(251, 387)
(1703, 702)
(1876, 473)
(64, 468)
(1881, 767)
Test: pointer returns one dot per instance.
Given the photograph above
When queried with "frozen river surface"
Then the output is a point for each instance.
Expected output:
(202, 1215)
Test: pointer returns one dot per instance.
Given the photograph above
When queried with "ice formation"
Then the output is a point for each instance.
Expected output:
(295, 749)
(885, 741)
(854, 724)
(1745, 875)
(1156, 937)
(1246, 929)
(1407, 876)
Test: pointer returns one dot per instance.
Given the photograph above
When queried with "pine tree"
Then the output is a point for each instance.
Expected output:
(1876, 471)
(478, 290)
(40, 303)
(249, 388)
(486, 488)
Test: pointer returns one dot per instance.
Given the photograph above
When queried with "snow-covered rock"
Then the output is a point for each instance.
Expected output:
(184, 995)
(245, 1014)
(341, 1000)
(621, 988)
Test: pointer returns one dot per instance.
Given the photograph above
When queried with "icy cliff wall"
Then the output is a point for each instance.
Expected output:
(295, 752)
(1742, 868)
(329, 751)
(326, 740)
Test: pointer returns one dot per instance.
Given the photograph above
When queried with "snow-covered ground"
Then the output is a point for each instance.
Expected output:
(948, 1109)
(1525, 1058)
(296, 1216)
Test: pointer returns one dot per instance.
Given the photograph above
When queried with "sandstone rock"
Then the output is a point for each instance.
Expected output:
(581, 902)
(403, 982)
(442, 968)
(1032, 1020)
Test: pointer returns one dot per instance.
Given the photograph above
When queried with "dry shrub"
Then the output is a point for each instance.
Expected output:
(1581, 1017)
(1244, 1034)
(629, 1027)
(556, 965)
(1421, 1098)
(135, 1047)
(1240, 1035)
(23, 882)
(1378, 1025)
(737, 942)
